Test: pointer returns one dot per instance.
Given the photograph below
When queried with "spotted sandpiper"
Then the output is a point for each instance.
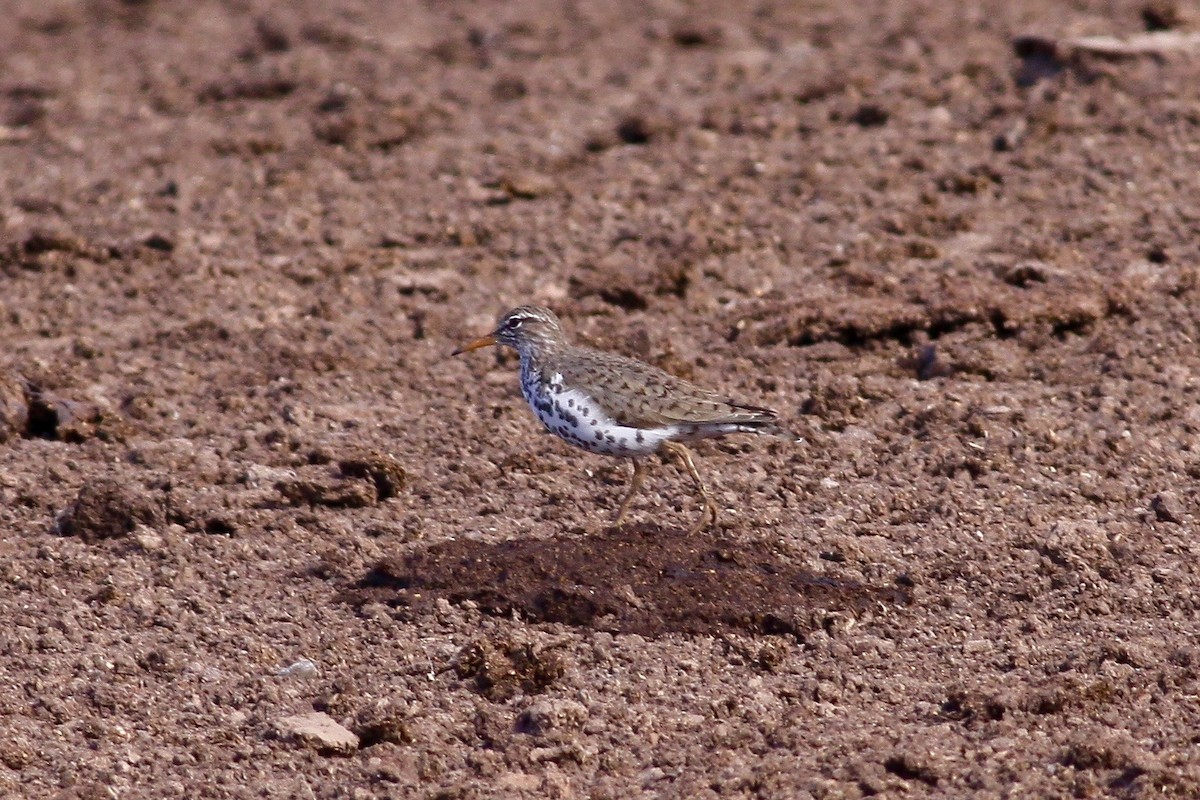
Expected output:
(618, 406)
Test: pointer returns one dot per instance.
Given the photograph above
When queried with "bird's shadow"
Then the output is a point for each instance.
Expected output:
(642, 579)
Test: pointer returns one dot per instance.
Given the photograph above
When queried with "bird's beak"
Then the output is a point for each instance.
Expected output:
(482, 341)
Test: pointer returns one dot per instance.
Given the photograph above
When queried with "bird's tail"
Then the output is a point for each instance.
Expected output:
(776, 430)
(763, 421)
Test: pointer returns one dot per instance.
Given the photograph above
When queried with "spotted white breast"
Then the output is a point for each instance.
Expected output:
(577, 418)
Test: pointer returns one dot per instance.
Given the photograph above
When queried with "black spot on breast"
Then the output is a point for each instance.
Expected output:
(571, 419)
(640, 437)
(599, 435)
(570, 402)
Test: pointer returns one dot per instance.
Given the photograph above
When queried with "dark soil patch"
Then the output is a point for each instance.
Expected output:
(644, 579)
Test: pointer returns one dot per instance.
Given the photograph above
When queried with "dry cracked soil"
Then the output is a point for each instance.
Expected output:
(261, 537)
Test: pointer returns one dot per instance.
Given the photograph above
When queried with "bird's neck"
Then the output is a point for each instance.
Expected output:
(535, 352)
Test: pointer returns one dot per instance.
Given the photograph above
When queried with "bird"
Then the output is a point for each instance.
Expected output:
(611, 404)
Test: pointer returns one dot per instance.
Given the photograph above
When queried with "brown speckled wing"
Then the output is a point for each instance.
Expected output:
(638, 394)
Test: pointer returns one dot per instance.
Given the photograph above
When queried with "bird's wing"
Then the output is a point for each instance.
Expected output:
(637, 394)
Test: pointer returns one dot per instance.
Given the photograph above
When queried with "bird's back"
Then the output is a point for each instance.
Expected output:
(643, 396)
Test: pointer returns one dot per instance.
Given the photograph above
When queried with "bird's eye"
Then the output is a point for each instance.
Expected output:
(516, 323)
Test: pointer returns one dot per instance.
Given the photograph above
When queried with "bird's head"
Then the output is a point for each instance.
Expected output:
(520, 329)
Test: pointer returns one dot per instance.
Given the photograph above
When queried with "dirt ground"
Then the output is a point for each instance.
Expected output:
(261, 537)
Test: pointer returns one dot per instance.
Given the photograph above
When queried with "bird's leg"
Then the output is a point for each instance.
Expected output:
(635, 483)
(709, 516)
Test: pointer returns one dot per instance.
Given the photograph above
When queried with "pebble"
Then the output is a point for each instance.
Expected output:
(319, 730)
(304, 668)
(147, 538)
(527, 185)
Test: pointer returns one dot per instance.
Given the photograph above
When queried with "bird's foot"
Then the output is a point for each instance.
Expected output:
(620, 517)
(707, 517)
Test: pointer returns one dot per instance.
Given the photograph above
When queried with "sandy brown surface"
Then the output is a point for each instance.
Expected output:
(238, 240)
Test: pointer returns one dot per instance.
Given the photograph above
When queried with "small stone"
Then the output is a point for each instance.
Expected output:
(651, 776)
(147, 538)
(304, 668)
(1155, 44)
(1167, 507)
(527, 185)
(318, 730)
(828, 692)
(260, 475)
(491, 194)
(940, 117)
(625, 592)
(569, 752)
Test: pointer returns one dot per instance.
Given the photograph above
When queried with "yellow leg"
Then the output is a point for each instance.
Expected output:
(709, 516)
(635, 483)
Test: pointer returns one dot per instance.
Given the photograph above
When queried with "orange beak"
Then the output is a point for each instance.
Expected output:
(482, 341)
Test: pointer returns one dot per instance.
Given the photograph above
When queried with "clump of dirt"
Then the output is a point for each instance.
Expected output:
(356, 481)
(108, 509)
(63, 419)
(383, 470)
(328, 490)
(502, 667)
(383, 723)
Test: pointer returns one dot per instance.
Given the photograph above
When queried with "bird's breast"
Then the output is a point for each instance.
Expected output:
(578, 418)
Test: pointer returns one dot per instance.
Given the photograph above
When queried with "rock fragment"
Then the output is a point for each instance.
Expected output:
(108, 509)
(318, 730)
